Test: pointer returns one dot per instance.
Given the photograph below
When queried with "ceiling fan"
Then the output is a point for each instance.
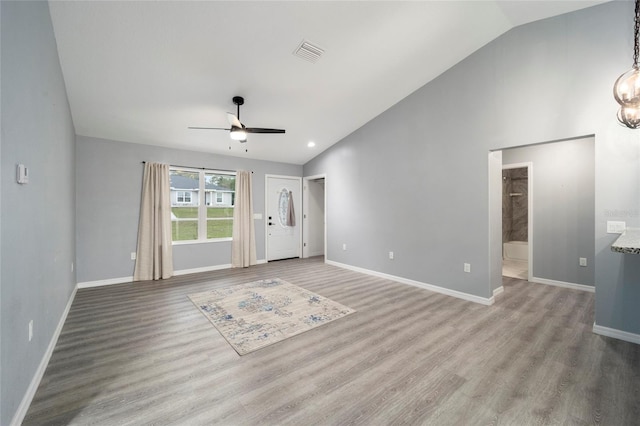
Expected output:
(239, 131)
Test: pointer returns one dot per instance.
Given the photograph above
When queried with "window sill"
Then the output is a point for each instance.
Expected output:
(189, 242)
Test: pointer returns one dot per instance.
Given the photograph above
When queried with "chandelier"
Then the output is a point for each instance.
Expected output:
(626, 89)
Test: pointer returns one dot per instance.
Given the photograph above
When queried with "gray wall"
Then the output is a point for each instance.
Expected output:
(37, 219)
(415, 179)
(563, 207)
(109, 181)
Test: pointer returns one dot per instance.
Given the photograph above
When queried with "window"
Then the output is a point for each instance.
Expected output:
(283, 206)
(193, 216)
(183, 197)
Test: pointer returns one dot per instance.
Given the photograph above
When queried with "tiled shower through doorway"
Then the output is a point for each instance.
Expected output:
(515, 222)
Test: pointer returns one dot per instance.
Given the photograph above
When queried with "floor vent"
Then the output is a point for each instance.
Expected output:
(308, 51)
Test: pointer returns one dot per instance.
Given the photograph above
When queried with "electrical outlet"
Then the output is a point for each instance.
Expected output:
(583, 261)
(391, 255)
(30, 330)
(616, 227)
(467, 267)
(133, 255)
(344, 246)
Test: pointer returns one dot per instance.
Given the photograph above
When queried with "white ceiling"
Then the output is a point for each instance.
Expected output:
(142, 71)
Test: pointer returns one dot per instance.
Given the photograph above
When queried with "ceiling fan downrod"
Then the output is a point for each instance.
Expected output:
(238, 100)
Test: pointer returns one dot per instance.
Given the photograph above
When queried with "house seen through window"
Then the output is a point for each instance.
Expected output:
(201, 204)
(183, 197)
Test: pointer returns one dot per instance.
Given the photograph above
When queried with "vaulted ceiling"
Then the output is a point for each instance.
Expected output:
(143, 71)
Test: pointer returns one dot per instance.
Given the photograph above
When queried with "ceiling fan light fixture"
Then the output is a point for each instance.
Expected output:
(238, 134)
(239, 131)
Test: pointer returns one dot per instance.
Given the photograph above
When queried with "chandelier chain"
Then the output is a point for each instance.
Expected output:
(636, 30)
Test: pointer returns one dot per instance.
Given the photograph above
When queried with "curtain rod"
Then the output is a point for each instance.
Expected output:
(201, 168)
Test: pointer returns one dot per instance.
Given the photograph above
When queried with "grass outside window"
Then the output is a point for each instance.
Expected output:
(219, 223)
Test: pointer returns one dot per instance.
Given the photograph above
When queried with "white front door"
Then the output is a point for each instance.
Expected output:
(283, 236)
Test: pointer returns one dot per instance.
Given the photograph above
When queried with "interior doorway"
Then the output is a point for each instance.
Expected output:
(517, 224)
(314, 216)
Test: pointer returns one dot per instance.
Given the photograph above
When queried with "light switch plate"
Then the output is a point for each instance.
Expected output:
(616, 227)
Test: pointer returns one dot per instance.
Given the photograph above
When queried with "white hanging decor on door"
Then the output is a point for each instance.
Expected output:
(291, 213)
(286, 211)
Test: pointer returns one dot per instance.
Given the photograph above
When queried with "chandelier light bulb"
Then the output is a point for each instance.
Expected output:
(626, 89)
(629, 116)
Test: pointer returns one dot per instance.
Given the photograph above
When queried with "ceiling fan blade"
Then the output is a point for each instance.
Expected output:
(261, 130)
(233, 120)
(208, 128)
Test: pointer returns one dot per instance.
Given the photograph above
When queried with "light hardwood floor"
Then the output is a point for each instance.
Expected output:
(141, 353)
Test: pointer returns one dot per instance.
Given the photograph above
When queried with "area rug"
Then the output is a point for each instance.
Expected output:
(258, 314)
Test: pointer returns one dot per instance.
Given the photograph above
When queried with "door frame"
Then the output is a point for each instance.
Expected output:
(529, 166)
(266, 211)
(305, 213)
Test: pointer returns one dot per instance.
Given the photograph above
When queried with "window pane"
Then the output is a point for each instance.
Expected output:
(184, 204)
(219, 228)
(182, 230)
(220, 197)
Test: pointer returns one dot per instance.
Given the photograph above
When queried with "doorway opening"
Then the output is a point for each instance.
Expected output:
(560, 244)
(314, 213)
(517, 200)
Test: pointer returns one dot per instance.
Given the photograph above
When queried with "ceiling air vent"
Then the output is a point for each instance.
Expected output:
(308, 51)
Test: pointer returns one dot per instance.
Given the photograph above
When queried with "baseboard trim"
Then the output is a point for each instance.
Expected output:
(425, 286)
(574, 286)
(203, 269)
(20, 414)
(497, 291)
(110, 281)
(616, 334)
(124, 280)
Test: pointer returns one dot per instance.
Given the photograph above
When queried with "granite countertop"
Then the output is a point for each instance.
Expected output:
(628, 242)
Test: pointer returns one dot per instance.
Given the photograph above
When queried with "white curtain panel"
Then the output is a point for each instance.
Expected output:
(154, 259)
(243, 246)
